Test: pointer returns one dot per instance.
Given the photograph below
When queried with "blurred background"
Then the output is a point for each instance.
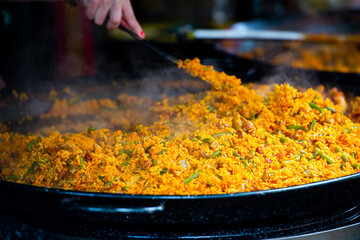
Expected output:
(47, 41)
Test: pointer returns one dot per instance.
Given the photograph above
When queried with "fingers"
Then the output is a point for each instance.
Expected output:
(115, 16)
(117, 11)
(91, 7)
(129, 19)
(102, 11)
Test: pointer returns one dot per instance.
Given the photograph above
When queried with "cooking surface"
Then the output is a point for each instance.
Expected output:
(335, 223)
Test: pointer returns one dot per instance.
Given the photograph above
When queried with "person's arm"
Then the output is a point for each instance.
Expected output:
(115, 12)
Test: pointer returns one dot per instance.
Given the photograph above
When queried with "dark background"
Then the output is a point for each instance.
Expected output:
(28, 40)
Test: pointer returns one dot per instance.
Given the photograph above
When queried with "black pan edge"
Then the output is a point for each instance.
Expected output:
(74, 193)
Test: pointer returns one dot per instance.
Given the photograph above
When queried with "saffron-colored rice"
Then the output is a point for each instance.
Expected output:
(231, 140)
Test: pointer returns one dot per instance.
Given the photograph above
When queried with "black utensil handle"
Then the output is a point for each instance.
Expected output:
(71, 203)
(150, 45)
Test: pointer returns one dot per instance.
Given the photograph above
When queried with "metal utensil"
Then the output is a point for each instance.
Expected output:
(276, 35)
(151, 46)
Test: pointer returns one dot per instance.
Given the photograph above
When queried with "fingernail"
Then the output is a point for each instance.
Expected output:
(142, 34)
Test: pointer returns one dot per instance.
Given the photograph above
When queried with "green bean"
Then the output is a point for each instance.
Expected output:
(33, 167)
(330, 109)
(12, 137)
(298, 156)
(211, 108)
(344, 158)
(312, 125)
(356, 166)
(192, 177)
(282, 139)
(92, 129)
(245, 163)
(148, 148)
(81, 163)
(44, 149)
(108, 183)
(207, 140)
(252, 116)
(295, 127)
(102, 179)
(30, 145)
(161, 152)
(124, 164)
(338, 149)
(348, 130)
(313, 155)
(153, 162)
(353, 154)
(125, 189)
(209, 184)
(328, 159)
(215, 154)
(220, 134)
(342, 166)
(162, 172)
(236, 154)
(128, 151)
(313, 105)
(13, 177)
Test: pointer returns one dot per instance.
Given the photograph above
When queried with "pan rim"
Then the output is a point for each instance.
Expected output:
(75, 193)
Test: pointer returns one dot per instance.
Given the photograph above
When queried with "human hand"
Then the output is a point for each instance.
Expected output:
(116, 11)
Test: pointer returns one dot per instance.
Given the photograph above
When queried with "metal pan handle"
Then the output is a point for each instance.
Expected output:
(71, 203)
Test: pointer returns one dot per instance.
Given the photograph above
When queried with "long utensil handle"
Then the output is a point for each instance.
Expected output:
(274, 35)
(150, 46)
(246, 34)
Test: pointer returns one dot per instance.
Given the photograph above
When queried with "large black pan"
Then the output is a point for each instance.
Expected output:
(202, 209)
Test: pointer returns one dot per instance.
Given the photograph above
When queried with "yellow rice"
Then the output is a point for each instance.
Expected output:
(232, 140)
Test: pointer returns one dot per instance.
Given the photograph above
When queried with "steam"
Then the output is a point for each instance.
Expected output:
(295, 77)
